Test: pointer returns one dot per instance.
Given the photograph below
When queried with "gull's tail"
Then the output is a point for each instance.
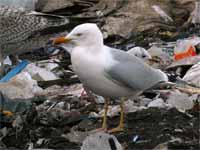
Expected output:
(174, 82)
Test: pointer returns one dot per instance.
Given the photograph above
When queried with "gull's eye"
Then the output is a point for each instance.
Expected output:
(78, 34)
(143, 56)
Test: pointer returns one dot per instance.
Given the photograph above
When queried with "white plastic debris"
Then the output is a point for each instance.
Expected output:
(76, 136)
(129, 106)
(139, 52)
(162, 55)
(193, 75)
(21, 86)
(74, 90)
(162, 47)
(180, 100)
(101, 141)
(31, 147)
(157, 103)
(112, 111)
(7, 61)
(143, 101)
(163, 14)
(99, 99)
(48, 64)
(40, 74)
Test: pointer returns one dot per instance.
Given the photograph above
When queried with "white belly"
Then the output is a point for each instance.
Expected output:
(90, 70)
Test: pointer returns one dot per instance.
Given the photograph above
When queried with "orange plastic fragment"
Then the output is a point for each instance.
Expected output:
(191, 51)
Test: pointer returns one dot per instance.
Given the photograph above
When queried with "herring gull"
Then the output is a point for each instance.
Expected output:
(107, 71)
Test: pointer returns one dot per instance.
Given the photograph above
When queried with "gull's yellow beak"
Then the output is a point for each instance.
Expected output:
(60, 40)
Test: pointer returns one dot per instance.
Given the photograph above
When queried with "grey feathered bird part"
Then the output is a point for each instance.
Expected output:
(22, 30)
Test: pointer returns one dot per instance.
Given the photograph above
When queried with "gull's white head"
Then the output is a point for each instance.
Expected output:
(140, 53)
(87, 34)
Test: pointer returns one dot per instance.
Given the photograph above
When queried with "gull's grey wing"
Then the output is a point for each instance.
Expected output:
(132, 72)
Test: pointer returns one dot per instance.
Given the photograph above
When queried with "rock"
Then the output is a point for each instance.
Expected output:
(180, 100)
(101, 141)
(21, 86)
(40, 74)
(193, 75)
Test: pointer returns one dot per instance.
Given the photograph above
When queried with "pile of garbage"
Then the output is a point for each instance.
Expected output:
(43, 105)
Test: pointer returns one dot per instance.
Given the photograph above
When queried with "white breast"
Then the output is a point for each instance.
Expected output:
(90, 67)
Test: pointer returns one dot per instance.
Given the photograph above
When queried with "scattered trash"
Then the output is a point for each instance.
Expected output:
(22, 86)
(193, 75)
(160, 57)
(180, 100)
(14, 71)
(42, 104)
(101, 141)
(40, 74)
(185, 48)
(158, 103)
(135, 138)
(181, 66)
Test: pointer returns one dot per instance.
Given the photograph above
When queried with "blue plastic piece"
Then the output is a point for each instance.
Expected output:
(14, 71)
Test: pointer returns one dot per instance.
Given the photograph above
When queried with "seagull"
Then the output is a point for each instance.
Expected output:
(106, 71)
(140, 53)
(22, 30)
